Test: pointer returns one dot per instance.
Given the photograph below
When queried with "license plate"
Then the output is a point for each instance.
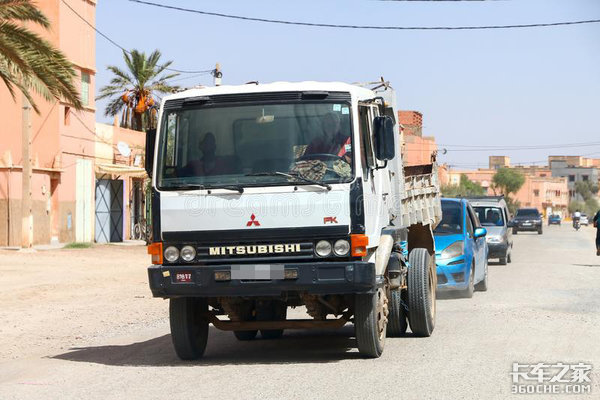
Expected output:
(257, 271)
(527, 223)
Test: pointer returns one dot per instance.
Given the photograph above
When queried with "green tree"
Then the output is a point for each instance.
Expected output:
(465, 188)
(508, 181)
(135, 92)
(28, 62)
(586, 189)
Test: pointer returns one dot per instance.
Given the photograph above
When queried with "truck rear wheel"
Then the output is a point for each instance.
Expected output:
(370, 322)
(397, 323)
(247, 315)
(189, 326)
(421, 292)
(271, 311)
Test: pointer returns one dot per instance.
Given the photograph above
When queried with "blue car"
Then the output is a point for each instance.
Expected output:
(554, 219)
(460, 249)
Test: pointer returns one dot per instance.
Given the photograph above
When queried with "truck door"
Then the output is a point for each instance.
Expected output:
(376, 213)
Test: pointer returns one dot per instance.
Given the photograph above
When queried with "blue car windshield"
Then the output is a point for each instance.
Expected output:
(451, 222)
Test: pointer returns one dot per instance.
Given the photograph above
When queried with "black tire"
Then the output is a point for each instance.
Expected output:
(503, 260)
(271, 311)
(397, 318)
(247, 316)
(468, 292)
(509, 257)
(483, 285)
(369, 321)
(189, 326)
(540, 231)
(422, 281)
(515, 231)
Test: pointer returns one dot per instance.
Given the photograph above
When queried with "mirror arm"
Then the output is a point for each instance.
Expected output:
(381, 167)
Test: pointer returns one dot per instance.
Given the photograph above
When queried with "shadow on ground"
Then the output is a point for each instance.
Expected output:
(223, 349)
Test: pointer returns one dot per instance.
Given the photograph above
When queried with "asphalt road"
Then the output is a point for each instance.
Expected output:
(544, 307)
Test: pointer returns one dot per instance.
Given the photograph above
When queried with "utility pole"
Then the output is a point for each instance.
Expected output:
(217, 75)
(26, 174)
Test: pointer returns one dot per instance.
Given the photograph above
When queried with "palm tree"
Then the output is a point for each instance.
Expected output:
(135, 92)
(28, 62)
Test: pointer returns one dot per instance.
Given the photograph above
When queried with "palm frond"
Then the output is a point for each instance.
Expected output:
(24, 11)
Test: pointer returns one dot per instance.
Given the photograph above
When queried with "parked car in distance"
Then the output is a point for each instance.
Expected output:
(493, 215)
(584, 220)
(460, 249)
(527, 219)
(554, 219)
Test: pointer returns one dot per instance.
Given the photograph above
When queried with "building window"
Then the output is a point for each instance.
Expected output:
(536, 192)
(67, 117)
(571, 178)
(585, 177)
(542, 175)
(85, 88)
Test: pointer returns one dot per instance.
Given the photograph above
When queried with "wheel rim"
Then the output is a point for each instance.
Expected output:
(382, 313)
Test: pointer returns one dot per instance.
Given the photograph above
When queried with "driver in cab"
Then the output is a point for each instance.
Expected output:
(333, 141)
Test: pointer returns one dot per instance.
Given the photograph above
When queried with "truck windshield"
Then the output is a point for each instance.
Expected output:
(490, 216)
(452, 218)
(255, 145)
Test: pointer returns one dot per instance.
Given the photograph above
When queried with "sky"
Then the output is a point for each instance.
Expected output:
(495, 89)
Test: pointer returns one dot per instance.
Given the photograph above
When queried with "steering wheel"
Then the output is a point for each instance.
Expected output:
(319, 156)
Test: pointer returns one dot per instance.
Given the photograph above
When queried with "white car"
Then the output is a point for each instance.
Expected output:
(583, 220)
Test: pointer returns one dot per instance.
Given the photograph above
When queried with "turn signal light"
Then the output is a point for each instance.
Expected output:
(156, 251)
(359, 244)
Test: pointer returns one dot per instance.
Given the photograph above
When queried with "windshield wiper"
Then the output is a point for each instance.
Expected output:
(185, 186)
(292, 176)
(237, 188)
(191, 186)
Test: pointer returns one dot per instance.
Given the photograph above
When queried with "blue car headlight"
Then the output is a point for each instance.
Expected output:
(454, 250)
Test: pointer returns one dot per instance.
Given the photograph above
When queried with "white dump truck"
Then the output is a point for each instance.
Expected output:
(271, 196)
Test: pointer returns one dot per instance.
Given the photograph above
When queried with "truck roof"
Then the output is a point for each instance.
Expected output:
(357, 92)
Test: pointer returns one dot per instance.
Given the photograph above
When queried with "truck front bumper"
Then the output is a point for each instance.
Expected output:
(343, 277)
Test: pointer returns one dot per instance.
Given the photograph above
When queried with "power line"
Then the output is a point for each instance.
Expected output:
(372, 27)
(124, 49)
(528, 147)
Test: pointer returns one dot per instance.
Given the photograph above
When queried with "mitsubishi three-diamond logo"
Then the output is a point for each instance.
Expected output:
(253, 221)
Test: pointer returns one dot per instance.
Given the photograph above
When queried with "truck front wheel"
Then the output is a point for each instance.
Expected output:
(370, 322)
(421, 292)
(189, 326)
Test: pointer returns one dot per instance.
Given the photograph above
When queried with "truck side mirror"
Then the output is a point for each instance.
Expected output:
(384, 138)
(149, 157)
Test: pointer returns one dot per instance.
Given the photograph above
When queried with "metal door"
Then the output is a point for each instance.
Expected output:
(109, 211)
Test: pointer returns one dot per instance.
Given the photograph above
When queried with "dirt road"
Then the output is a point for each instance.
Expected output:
(82, 324)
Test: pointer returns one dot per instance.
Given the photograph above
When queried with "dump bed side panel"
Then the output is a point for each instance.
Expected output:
(421, 203)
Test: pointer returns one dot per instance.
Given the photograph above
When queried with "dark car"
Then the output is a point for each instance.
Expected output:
(554, 219)
(527, 219)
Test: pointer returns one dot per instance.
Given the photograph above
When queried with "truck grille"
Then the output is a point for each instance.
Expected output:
(255, 251)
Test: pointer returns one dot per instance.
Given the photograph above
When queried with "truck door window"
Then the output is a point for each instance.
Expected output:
(366, 148)
(374, 110)
(171, 132)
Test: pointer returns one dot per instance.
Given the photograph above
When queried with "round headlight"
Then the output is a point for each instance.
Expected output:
(171, 254)
(341, 247)
(323, 248)
(188, 253)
